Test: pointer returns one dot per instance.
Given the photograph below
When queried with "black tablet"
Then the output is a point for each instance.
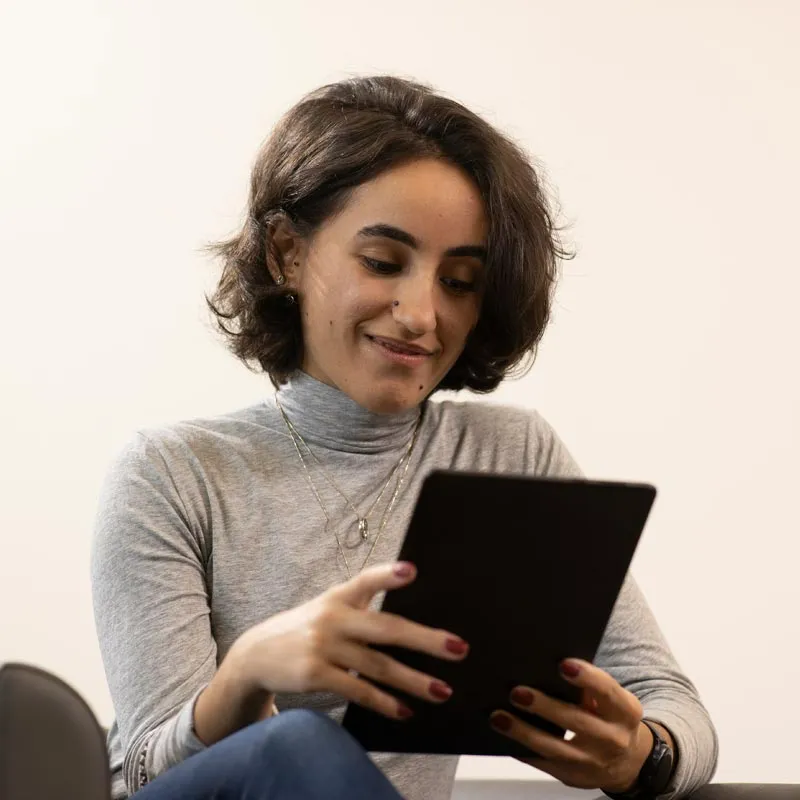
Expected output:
(527, 570)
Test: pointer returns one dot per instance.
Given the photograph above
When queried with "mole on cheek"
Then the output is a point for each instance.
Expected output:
(330, 322)
(421, 387)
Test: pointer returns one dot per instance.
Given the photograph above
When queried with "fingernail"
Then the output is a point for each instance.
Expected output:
(501, 722)
(456, 646)
(570, 670)
(404, 712)
(440, 690)
(522, 696)
(403, 569)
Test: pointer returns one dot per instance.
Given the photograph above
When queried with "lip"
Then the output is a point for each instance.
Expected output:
(404, 347)
(400, 352)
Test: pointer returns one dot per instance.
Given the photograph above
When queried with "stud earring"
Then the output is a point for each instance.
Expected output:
(291, 299)
(280, 280)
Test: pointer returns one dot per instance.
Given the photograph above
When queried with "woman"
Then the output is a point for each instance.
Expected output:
(396, 244)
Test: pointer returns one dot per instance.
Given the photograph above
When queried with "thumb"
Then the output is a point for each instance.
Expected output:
(589, 702)
(359, 591)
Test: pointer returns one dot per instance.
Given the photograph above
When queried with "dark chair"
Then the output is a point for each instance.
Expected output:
(51, 746)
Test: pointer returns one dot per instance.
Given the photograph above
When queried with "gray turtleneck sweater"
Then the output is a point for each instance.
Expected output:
(207, 527)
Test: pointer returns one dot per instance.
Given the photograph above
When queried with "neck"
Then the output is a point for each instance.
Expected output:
(325, 416)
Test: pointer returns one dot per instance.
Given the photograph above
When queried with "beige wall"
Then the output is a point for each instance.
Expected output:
(670, 130)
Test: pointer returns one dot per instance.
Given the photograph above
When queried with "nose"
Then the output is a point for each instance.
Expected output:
(414, 305)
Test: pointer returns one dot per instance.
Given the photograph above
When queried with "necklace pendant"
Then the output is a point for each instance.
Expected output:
(363, 529)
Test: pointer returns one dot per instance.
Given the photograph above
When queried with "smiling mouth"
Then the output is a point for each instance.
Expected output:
(401, 348)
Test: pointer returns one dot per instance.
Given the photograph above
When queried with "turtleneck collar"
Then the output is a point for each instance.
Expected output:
(326, 416)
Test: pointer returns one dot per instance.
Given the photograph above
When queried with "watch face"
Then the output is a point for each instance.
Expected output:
(662, 772)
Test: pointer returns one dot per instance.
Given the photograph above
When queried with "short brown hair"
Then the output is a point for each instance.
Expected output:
(345, 134)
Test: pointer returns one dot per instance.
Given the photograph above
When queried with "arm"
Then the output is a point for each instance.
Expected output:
(635, 653)
(152, 615)
(225, 705)
(150, 591)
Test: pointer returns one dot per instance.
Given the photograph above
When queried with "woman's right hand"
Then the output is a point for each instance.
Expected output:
(314, 647)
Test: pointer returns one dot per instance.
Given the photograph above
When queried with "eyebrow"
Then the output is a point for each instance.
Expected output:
(385, 231)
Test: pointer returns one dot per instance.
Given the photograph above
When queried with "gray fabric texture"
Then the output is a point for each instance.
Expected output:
(207, 527)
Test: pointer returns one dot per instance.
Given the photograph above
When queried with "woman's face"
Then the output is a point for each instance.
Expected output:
(390, 287)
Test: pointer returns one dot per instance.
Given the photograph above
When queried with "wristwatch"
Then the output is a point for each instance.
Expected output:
(655, 774)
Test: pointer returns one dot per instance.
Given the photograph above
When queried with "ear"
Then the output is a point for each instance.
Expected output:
(289, 247)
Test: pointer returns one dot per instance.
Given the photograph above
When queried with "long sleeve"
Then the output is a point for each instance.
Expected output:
(151, 611)
(634, 652)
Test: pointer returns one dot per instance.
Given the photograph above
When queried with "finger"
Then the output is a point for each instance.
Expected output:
(542, 743)
(365, 694)
(566, 715)
(386, 670)
(589, 703)
(378, 627)
(568, 774)
(359, 591)
(613, 702)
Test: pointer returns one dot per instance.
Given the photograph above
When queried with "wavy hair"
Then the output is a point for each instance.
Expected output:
(344, 134)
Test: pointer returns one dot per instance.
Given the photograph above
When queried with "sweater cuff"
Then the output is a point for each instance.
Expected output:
(692, 767)
(184, 727)
(175, 742)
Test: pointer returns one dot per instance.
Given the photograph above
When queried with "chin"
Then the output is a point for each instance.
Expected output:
(390, 400)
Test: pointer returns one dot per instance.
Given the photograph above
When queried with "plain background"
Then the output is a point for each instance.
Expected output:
(670, 132)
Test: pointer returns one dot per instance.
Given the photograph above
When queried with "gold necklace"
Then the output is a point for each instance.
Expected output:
(361, 520)
(384, 519)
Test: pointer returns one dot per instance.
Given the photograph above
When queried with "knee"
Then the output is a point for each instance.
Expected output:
(299, 719)
(277, 754)
(306, 730)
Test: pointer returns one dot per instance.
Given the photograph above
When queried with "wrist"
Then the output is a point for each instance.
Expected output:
(252, 696)
(237, 667)
(232, 701)
(640, 752)
(655, 772)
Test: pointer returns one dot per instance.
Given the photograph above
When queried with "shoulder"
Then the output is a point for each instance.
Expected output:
(525, 433)
(164, 478)
(191, 445)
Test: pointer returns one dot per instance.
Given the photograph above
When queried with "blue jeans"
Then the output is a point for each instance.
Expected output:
(298, 755)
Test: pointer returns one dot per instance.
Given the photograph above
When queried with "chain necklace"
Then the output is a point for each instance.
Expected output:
(361, 520)
(406, 457)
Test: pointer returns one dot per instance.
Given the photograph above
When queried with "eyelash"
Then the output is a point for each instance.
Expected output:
(387, 268)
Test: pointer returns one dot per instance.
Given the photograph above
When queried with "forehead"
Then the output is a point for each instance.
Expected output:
(433, 200)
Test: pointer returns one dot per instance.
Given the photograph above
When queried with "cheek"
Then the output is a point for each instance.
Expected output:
(459, 320)
(357, 303)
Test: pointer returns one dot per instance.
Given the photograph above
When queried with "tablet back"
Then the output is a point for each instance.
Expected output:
(527, 570)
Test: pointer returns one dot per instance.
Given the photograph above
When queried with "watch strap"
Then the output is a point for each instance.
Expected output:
(654, 776)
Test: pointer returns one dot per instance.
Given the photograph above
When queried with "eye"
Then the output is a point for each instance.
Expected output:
(458, 286)
(380, 267)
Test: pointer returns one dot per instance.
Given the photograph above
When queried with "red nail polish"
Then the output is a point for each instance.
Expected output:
(570, 670)
(404, 712)
(522, 696)
(456, 646)
(403, 569)
(501, 722)
(440, 690)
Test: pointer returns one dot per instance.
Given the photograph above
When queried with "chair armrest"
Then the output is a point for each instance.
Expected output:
(748, 791)
(552, 790)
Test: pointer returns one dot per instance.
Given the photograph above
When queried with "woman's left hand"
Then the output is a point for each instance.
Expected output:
(610, 745)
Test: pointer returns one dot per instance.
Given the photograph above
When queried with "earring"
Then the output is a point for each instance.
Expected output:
(280, 280)
(291, 299)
